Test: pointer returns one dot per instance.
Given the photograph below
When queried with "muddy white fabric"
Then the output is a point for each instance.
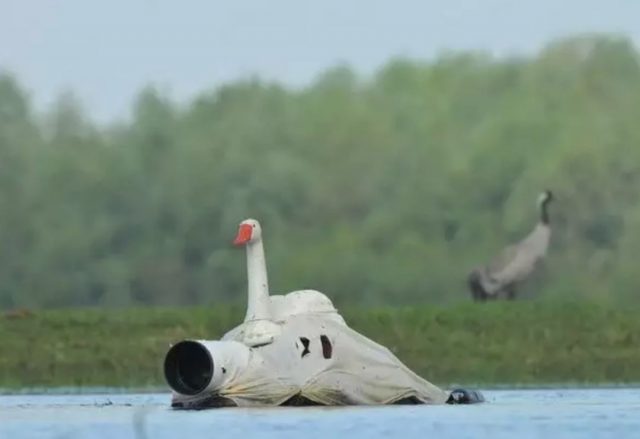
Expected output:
(315, 356)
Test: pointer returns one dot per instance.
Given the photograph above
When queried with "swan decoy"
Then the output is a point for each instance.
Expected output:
(501, 277)
(260, 328)
(265, 311)
(292, 349)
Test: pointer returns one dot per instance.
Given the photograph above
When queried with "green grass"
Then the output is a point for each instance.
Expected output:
(524, 343)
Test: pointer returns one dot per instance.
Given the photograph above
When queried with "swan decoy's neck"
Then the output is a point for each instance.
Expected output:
(543, 203)
(250, 235)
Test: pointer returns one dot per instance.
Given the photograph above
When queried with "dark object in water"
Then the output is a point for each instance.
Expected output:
(457, 396)
(298, 400)
(213, 401)
(463, 396)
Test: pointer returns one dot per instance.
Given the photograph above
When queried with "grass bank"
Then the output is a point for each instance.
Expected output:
(522, 343)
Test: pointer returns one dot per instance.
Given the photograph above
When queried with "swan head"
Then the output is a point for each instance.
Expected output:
(545, 197)
(248, 231)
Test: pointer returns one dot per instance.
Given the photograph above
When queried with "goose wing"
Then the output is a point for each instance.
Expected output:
(502, 261)
(517, 265)
(517, 261)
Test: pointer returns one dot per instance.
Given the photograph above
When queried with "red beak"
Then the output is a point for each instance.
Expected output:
(244, 234)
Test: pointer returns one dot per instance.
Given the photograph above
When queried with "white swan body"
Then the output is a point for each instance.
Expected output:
(302, 302)
(309, 303)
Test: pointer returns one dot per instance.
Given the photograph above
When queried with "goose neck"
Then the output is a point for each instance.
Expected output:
(544, 212)
(258, 286)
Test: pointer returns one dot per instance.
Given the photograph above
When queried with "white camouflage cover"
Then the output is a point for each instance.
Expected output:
(317, 357)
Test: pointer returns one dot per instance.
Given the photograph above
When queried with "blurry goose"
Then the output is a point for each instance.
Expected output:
(515, 263)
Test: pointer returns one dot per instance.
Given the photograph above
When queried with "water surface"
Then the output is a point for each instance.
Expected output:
(549, 413)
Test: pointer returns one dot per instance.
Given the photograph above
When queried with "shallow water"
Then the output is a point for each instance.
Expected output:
(550, 413)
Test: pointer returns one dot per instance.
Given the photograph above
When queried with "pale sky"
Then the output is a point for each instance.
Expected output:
(107, 50)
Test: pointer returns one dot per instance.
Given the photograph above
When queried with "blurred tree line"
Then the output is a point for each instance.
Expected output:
(384, 190)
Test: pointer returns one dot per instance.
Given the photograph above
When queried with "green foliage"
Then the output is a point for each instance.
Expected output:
(496, 343)
(385, 190)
